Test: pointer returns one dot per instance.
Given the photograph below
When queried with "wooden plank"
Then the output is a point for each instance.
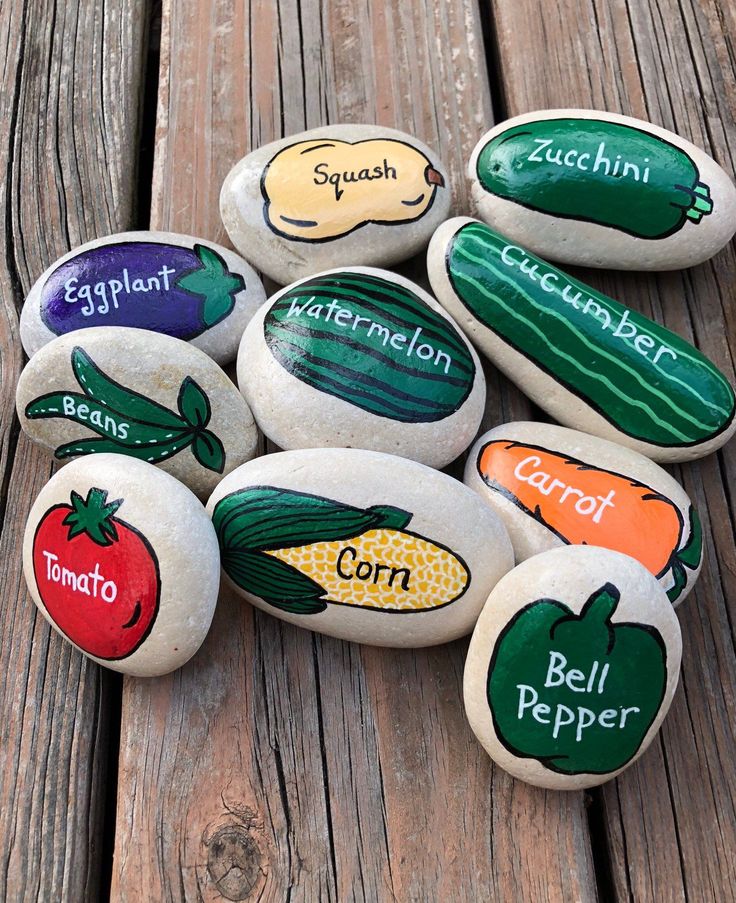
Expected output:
(669, 822)
(69, 108)
(280, 765)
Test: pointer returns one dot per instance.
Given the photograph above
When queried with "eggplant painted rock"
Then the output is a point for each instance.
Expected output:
(590, 362)
(138, 393)
(572, 667)
(181, 286)
(593, 188)
(362, 357)
(337, 195)
(553, 486)
(359, 545)
(122, 560)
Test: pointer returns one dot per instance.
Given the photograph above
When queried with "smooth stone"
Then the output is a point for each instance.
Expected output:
(122, 560)
(553, 486)
(139, 393)
(360, 357)
(602, 190)
(338, 195)
(572, 667)
(590, 362)
(178, 285)
(359, 545)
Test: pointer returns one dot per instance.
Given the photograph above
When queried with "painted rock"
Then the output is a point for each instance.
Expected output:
(137, 393)
(359, 545)
(590, 362)
(362, 357)
(185, 287)
(586, 187)
(121, 559)
(338, 195)
(552, 486)
(572, 667)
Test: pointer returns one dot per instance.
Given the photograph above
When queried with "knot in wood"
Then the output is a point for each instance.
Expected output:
(233, 862)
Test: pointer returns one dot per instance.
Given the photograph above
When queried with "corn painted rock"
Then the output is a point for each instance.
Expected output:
(359, 545)
(338, 195)
(553, 486)
(586, 187)
(121, 559)
(590, 362)
(362, 357)
(177, 285)
(572, 667)
(133, 392)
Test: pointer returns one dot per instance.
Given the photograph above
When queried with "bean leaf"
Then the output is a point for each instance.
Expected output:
(209, 451)
(193, 404)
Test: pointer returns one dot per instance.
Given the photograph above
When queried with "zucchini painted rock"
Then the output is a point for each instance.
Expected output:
(137, 393)
(359, 545)
(177, 285)
(362, 357)
(337, 195)
(592, 363)
(553, 486)
(594, 188)
(572, 667)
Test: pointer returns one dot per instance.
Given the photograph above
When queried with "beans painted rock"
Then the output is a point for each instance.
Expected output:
(121, 559)
(362, 357)
(338, 195)
(552, 486)
(590, 362)
(359, 545)
(137, 393)
(593, 188)
(572, 667)
(181, 286)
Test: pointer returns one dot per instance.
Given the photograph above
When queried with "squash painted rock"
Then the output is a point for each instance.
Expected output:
(338, 195)
(362, 357)
(359, 545)
(133, 392)
(590, 362)
(604, 190)
(122, 560)
(177, 285)
(552, 486)
(572, 667)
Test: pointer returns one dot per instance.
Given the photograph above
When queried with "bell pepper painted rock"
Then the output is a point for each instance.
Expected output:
(589, 361)
(177, 285)
(595, 188)
(572, 667)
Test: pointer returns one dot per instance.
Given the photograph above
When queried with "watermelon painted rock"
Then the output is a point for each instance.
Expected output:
(594, 188)
(572, 667)
(359, 545)
(590, 362)
(365, 358)
(177, 285)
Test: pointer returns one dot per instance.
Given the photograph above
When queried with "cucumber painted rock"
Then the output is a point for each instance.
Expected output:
(359, 545)
(592, 363)
(177, 285)
(572, 667)
(594, 188)
(362, 357)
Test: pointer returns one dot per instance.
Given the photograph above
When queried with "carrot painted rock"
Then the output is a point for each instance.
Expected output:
(572, 667)
(594, 188)
(359, 545)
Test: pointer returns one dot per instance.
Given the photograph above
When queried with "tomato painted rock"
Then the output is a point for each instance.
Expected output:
(589, 361)
(553, 486)
(121, 559)
(359, 545)
(593, 188)
(338, 195)
(362, 357)
(572, 667)
(177, 285)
